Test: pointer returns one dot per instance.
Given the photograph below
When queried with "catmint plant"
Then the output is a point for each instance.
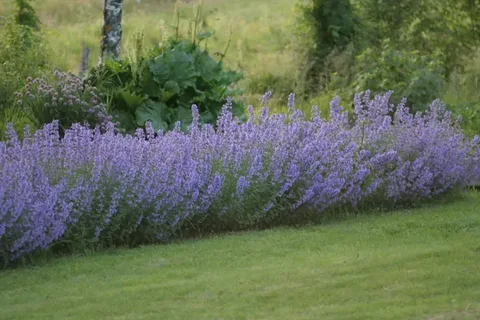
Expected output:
(92, 187)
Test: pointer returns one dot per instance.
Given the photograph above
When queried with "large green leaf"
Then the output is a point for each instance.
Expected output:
(174, 66)
(207, 67)
(187, 97)
(127, 101)
(126, 119)
(170, 89)
(183, 45)
(148, 84)
(160, 70)
(155, 112)
(230, 77)
(207, 117)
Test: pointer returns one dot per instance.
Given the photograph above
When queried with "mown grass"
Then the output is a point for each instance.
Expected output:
(410, 264)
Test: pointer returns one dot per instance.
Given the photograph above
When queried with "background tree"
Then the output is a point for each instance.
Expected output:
(333, 26)
(112, 29)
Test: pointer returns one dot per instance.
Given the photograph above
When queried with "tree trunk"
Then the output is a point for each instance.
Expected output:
(112, 29)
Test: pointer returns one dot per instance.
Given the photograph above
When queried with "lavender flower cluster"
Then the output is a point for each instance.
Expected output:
(91, 188)
(67, 100)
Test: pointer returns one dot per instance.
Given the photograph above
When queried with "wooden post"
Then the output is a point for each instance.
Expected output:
(112, 29)
(84, 61)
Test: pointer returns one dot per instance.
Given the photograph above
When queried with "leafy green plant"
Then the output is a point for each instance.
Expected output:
(409, 74)
(165, 85)
(22, 53)
(425, 25)
(161, 85)
(470, 115)
(19, 121)
(328, 28)
(25, 15)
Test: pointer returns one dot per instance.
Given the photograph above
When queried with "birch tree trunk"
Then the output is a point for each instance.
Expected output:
(112, 29)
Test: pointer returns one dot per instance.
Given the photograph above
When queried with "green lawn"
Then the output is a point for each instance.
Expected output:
(411, 264)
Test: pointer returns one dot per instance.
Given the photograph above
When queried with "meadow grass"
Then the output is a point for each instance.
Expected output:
(409, 264)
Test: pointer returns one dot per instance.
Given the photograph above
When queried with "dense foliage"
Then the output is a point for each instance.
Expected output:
(326, 28)
(451, 27)
(162, 86)
(410, 47)
(92, 189)
(22, 52)
(25, 15)
(407, 73)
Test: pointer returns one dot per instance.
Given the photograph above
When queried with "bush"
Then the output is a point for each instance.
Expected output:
(22, 53)
(439, 36)
(91, 190)
(408, 74)
(25, 15)
(427, 26)
(470, 115)
(462, 97)
(67, 100)
(162, 86)
(327, 28)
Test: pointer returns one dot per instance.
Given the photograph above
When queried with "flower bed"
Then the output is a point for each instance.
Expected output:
(92, 189)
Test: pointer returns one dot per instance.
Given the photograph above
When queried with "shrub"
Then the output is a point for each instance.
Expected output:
(440, 37)
(470, 115)
(409, 74)
(22, 54)
(21, 49)
(90, 190)
(164, 84)
(462, 97)
(25, 15)
(326, 28)
(67, 100)
(428, 26)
